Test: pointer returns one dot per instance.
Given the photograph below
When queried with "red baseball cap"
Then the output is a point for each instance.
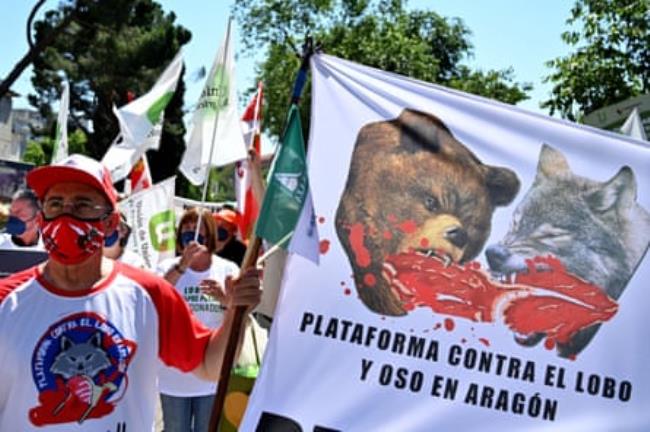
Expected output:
(75, 168)
(227, 215)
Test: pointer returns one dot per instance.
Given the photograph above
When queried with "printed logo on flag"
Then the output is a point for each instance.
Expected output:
(292, 183)
(79, 367)
(214, 97)
(161, 231)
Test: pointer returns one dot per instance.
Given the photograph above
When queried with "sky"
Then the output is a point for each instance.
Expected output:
(522, 34)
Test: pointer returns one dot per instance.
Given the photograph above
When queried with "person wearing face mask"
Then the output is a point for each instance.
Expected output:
(21, 231)
(198, 275)
(228, 246)
(81, 335)
(115, 245)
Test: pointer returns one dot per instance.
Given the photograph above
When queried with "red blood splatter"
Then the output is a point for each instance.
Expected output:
(321, 220)
(347, 291)
(361, 254)
(387, 235)
(73, 409)
(324, 246)
(408, 227)
(463, 340)
(549, 344)
(449, 324)
(540, 301)
(342, 283)
(437, 326)
(484, 341)
(424, 242)
(370, 279)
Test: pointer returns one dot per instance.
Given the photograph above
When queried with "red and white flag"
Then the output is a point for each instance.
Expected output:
(247, 202)
(140, 175)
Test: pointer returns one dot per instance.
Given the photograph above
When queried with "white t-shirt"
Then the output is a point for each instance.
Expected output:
(207, 310)
(132, 259)
(7, 243)
(86, 360)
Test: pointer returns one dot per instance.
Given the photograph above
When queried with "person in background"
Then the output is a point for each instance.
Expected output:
(115, 245)
(81, 335)
(198, 275)
(228, 246)
(21, 230)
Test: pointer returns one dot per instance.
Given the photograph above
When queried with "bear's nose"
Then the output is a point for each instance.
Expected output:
(457, 236)
(497, 255)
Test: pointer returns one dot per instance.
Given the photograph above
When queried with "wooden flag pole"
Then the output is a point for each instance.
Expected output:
(250, 259)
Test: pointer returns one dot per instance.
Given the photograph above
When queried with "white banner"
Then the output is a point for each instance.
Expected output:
(482, 269)
(150, 213)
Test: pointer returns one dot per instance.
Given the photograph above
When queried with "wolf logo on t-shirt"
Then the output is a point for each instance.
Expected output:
(79, 367)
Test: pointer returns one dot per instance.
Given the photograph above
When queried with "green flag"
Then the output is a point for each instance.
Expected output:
(287, 200)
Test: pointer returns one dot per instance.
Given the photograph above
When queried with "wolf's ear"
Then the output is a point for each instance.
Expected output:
(552, 163)
(96, 340)
(619, 190)
(65, 343)
(502, 184)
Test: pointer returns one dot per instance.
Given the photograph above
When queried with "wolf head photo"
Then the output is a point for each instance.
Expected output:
(596, 229)
(413, 186)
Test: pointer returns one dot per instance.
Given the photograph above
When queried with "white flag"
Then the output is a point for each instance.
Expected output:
(138, 120)
(305, 240)
(150, 213)
(216, 109)
(633, 126)
(61, 140)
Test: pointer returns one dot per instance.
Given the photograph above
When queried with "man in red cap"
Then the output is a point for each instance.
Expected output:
(228, 246)
(81, 334)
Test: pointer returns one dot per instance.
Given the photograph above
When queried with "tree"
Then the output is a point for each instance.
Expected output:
(382, 34)
(39, 151)
(110, 50)
(611, 61)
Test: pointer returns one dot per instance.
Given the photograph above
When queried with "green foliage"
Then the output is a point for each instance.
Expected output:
(39, 152)
(111, 49)
(221, 187)
(35, 152)
(382, 34)
(611, 61)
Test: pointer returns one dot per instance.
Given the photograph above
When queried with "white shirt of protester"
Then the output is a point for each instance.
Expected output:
(207, 310)
(6, 242)
(84, 360)
(132, 258)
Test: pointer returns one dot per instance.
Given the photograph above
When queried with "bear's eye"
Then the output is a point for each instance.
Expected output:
(431, 203)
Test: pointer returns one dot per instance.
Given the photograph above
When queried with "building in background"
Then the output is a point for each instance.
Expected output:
(613, 116)
(25, 122)
(7, 150)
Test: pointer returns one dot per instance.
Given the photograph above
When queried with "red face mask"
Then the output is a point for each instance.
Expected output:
(71, 241)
